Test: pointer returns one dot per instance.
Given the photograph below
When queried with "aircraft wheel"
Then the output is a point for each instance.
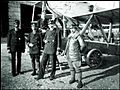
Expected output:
(94, 59)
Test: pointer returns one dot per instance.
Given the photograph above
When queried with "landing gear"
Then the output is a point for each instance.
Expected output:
(94, 59)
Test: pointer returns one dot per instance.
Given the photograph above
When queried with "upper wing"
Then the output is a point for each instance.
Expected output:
(105, 16)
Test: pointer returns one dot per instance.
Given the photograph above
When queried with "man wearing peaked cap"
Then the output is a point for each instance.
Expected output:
(73, 51)
(52, 46)
(34, 43)
(16, 46)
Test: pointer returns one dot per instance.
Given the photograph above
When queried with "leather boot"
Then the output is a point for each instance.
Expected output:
(38, 67)
(33, 66)
(79, 78)
(80, 84)
(72, 77)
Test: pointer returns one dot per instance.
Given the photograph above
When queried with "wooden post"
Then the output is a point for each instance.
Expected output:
(110, 32)
(64, 28)
(91, 33)
(33, 13)
(43, 10)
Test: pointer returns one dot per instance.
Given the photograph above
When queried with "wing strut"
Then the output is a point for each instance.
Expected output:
(81, 32)
(100, 26)
(110, 32)
(87, 24)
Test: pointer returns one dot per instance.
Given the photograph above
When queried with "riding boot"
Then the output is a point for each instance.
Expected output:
(33, 66)
(72, 77)
(38, 67)
(79, 78)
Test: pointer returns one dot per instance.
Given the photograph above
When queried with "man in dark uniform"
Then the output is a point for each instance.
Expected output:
(34, 43)
(52, 45)
(16, 45)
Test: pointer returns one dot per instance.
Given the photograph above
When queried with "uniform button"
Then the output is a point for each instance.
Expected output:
(52, 40)
(19, 38)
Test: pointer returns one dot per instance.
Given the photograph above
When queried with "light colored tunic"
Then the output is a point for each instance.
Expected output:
(73, 48)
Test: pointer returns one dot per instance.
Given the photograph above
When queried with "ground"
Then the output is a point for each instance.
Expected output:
(105, 77)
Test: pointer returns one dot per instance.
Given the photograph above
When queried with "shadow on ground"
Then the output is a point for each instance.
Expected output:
(110, 62)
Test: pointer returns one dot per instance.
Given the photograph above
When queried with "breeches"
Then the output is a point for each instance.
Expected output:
(43, 64)
(35, 57)
(75, 66)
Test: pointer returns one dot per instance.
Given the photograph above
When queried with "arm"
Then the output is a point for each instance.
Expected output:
(67, 44)
(82, 43)
(44, 40)
(8, 40)
(28, 39)
(23, 36)
(40, 40)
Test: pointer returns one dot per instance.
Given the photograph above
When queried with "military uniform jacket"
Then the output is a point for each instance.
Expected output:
(16, 41)
(53, 41)
(35, 39)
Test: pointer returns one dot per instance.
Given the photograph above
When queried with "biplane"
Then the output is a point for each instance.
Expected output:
(100, 30)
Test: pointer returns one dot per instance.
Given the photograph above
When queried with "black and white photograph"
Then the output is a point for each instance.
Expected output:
(60, 45)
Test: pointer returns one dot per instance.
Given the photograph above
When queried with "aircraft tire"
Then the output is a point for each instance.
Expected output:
(94, 59)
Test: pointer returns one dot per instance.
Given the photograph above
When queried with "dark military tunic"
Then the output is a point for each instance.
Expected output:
(52, 39)
(35, 39)
(16, 45)
(16, 41)
(53, 42)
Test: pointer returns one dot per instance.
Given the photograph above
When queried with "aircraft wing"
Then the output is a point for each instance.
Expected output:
(105, 16)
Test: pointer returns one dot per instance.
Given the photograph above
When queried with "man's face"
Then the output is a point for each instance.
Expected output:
(33, 27)
(16, 25)
(51, 26)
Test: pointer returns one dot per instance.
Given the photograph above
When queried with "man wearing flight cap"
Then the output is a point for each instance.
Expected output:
(74, 48)
(52, 45)
(34, 43)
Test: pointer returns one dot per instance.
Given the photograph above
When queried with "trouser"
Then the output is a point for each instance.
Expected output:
(16, 69)
(75, 67)
(33, 58)
(44, 62)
